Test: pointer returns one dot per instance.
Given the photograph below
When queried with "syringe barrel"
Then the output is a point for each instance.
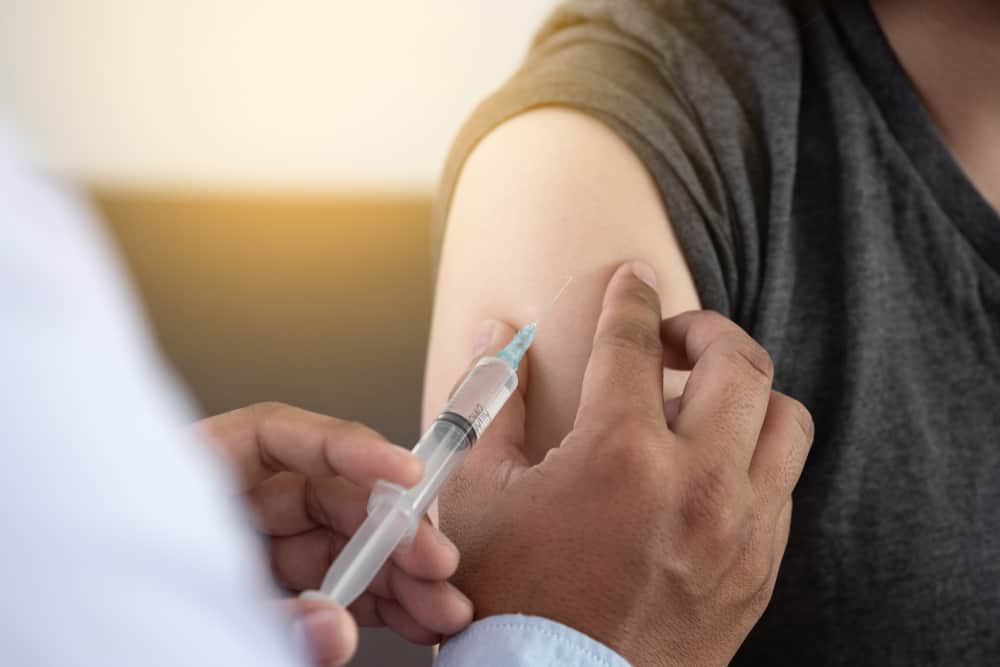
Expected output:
(365, 554)
(394, 512)
(444, 445)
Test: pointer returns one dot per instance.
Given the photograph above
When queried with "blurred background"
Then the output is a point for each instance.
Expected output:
(267, 170)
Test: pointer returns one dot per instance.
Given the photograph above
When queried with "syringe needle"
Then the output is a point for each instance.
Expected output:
(522, 340)
(548, 309)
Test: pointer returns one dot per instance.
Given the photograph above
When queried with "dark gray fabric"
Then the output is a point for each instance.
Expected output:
(819, 209)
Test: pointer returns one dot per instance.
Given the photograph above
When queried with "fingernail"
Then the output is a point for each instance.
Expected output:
(644, 272)
(484, 337)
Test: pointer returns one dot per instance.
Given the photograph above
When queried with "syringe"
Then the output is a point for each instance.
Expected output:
(394, 513)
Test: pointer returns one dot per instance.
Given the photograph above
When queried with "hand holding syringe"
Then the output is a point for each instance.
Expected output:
(394, 512)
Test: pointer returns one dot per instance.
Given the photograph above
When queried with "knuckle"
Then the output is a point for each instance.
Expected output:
(747, 353)
(708, 321)
(313, 507)
(263, 409)
(709, 325)
(626, 459)
(714, 507)
(350, 431)
(803, 418)
(634, 457)
(694, 581)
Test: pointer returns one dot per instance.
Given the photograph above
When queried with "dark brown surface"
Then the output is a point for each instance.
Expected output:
(319, 301)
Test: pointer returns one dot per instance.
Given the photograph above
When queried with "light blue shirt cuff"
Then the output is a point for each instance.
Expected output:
(515, 640)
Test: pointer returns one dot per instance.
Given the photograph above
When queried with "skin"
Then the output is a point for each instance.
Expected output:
(307, 475)
(307, 478)
(582, 221)
(950, 51)
(586, 203)
(656, 530)
(574, 219)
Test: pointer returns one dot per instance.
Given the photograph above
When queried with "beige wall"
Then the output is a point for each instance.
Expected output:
(317, 301)
(290, 93)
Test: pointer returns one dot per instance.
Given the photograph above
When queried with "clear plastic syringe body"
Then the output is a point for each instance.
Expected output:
(394, 512)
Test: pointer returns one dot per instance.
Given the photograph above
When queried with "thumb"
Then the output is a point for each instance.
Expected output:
(498, 452)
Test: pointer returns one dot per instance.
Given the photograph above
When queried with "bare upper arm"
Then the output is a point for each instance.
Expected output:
(548, 194)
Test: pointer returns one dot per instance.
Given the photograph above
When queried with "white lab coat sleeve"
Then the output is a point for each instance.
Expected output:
(123, 542)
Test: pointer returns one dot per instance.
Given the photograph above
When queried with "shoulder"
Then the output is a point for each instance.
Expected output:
(726, 74)
(728, 31)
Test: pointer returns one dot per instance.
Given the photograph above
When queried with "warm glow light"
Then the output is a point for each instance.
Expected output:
(231, 93)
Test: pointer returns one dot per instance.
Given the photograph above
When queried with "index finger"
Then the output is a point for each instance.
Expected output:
(624, 375)
(726, 395)
(267, 438)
